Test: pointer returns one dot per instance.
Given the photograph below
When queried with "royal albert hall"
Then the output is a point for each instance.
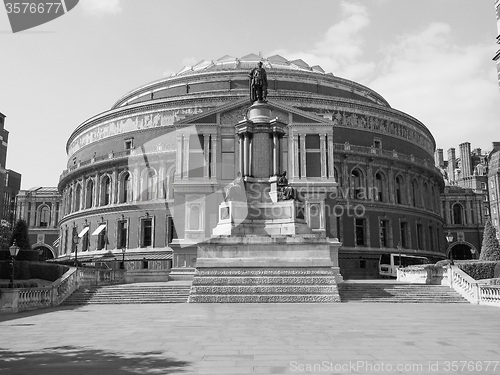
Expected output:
(144, 179)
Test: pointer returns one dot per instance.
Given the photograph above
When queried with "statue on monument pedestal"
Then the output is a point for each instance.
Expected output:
(285, 191)
(258, 84)
(235, 191)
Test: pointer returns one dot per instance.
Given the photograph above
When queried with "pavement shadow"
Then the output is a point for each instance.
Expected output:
(66, 360)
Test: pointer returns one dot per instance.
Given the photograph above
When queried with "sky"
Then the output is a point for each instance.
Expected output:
(431, 59)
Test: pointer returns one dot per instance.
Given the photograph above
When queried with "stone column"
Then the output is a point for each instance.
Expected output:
(246, 154)
(331, 164)
(241, 154)
(303, 173)
(178, 160)
(250, 155)
(468, 211)
(161, 181)
(114, 187)
(322, 148)
(137, 183)
(206, 155)
(215, 157)
(53, 213)
(275, 154)
(96, 201)
(185, 169)
(295, 155)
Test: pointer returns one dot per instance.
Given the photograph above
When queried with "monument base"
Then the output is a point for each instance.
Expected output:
(302, 268)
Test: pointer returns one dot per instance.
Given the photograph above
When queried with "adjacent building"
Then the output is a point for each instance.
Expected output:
(10, 181)
(40, 208)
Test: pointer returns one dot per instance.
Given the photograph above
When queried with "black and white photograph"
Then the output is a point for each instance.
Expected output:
(249, 187)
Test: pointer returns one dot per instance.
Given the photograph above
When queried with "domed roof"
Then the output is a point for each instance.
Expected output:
(248, 62)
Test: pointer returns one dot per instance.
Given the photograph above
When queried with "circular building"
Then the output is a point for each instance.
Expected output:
(144, 180)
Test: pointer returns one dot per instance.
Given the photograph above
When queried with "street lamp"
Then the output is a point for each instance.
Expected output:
(400, 248)
(76, 240)
(14, 250)
(449, 239)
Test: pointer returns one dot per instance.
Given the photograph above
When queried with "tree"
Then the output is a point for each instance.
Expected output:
(20, 235)
(5, 235)
(490, 249)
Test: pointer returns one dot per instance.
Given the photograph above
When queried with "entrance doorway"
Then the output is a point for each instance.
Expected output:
(462, 251)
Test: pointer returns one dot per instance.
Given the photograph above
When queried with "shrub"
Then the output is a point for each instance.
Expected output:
(479, 270)
(20, 284)
(490, 249)
(24, 270)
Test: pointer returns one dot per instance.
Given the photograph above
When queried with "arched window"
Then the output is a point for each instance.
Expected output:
(89, 194)
(399, 189)
(357, 185)
(379, 193)
(457, 214)
(44, 217)
(151, 185)
(78, 196)
(126, 188)
(105, 191)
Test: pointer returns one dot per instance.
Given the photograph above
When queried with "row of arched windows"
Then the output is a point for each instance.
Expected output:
(85, 195)
(422, 195)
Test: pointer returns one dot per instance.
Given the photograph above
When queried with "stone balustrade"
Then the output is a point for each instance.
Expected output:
(14, 300)
(473, 291)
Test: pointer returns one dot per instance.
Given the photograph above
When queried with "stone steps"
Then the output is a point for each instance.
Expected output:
(398, 293)
(129, 293)
(261, 285)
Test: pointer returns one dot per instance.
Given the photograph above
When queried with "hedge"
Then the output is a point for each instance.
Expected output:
(480, 270)
(30, 255)
(32, 270)
(19, 284)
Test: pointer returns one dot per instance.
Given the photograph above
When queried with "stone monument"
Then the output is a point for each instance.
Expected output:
(262, 249)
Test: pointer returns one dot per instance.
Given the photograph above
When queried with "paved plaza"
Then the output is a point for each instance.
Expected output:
(346, 338)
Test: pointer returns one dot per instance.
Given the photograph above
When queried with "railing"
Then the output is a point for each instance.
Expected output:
(13, 300)
(473, 291)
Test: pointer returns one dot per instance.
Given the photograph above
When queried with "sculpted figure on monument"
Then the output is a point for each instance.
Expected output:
(285, 191)
(258, 84)
(235, 191)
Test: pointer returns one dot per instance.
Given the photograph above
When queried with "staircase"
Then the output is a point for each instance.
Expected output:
(261, 285)
(141, 293)
(395, 292)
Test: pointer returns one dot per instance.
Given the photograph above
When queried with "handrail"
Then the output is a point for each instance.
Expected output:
(21, 299)
(465, 285)
(472, 290)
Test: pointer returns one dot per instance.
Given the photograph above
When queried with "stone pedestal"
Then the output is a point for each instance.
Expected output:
(262, 249)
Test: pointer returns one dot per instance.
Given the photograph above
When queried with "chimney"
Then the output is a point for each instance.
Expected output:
(465, 159)
(438, 158)
(452, 164)
(496, 146)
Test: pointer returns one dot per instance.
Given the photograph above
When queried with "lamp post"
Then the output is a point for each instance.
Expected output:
(399, 249)
(449, 239)
(14, 250)
(76, 239)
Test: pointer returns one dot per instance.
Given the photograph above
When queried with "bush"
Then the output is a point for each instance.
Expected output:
(490, 249)
(479, 270)
(20, 284)
(32, 270)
